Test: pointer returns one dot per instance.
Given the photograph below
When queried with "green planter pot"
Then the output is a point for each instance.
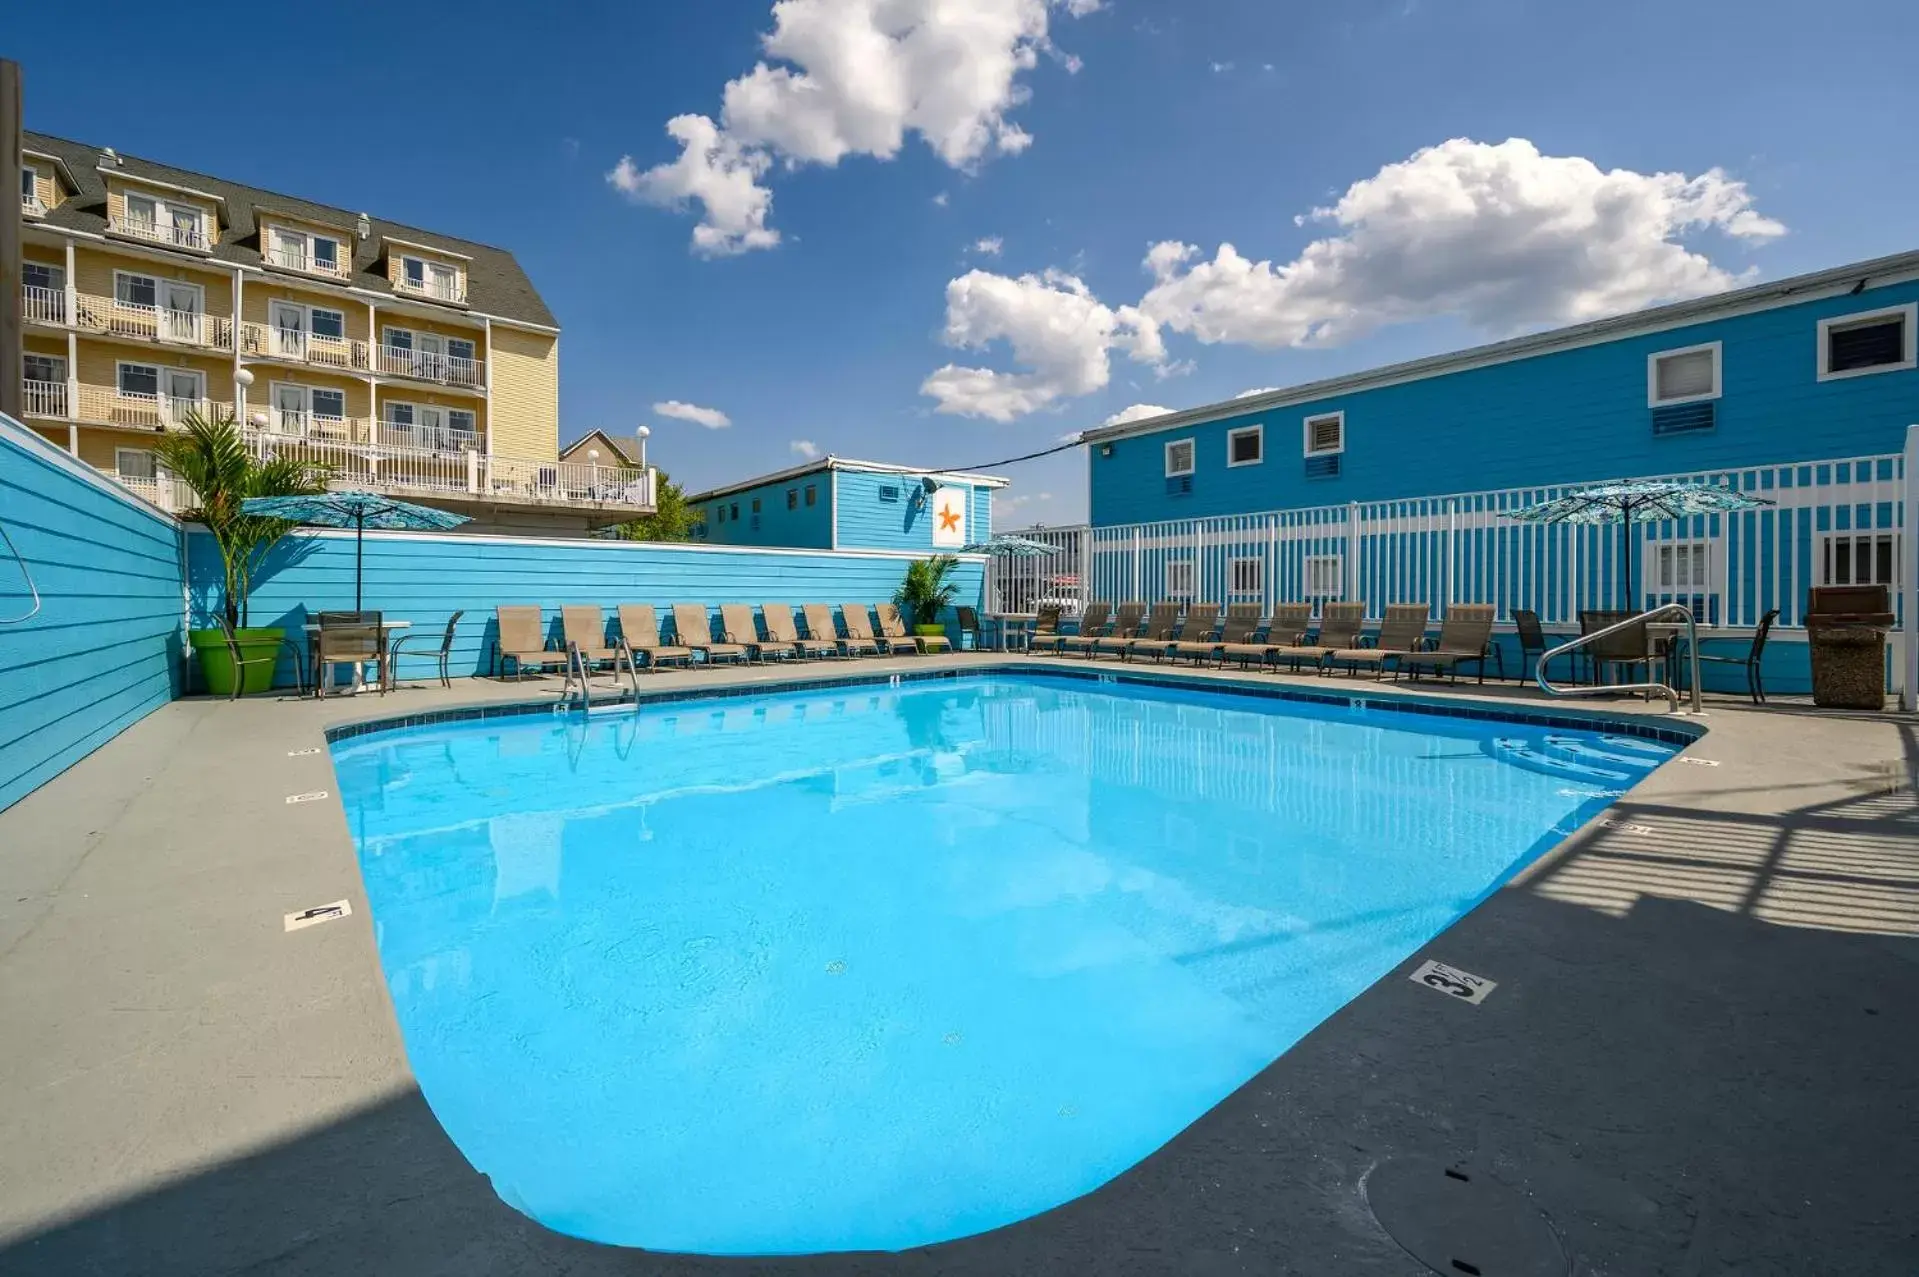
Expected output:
(216, 663)
(930, 631)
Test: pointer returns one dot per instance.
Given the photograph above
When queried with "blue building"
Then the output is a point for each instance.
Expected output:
(837, 504)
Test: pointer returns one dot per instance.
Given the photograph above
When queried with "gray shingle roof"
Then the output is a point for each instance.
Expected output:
(495, 283)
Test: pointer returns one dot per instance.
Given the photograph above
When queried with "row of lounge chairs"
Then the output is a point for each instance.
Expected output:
(640, 644)
(1288, 636)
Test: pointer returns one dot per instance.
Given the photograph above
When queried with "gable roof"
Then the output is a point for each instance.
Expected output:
(495, 283)
(829, 463)
(599, 439)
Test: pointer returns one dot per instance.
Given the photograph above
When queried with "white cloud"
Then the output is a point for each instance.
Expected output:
(854, 77)
(1008, 504)
(1221, 68)
(1137, 412)
(1057, 329)
(711, 418)
(1256, 390)
(942, 199)
(1502, 236)
(805, 448)
(990, 246)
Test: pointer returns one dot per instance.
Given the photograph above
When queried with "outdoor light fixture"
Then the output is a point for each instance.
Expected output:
(1106, 450)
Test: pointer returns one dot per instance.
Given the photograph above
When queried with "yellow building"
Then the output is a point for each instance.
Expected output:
(408, 361)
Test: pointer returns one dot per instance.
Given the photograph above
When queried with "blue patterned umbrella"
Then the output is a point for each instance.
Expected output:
(1011, 547)
(356, 510)
(1637, 501)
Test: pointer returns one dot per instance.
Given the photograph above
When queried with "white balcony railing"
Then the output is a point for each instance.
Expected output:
(321, 426)
(426, 365)
(440, 288)
(163, 324)
(274, 341)
(288, 257)
(173, 234)
(163, 490)
(43, 305)
(31, 205)
(45, 399)
(384, 467)
(110, 406)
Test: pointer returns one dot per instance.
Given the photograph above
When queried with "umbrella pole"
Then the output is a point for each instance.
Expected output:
(359, 554)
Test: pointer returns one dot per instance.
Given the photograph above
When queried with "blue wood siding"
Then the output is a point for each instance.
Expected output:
(1566, 417)
(104, 650)
(424, 579)
(802, 528)
(867, 521)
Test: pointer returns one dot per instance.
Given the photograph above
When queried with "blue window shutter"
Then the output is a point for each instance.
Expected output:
(1326, 467)
(1684, 418)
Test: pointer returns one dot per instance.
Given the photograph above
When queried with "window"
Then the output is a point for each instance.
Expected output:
(135, 463)
(328, 403)
(49, 369)
(1246, 446)
(719, 514)
(733, 512)
(30, 190)
(812, 495)
(462, 421)
(1859, 558)
(1246, 576)
(42, 275)
(792, 498)
(143, 211)
(1179, 579)
(1326, 434)
(1680, 567)
(413, 271)
(1875, 341)
(135, 290)
(399, 339)
(326, 254)
(889, 492)
(327, 323)
(459, 348)
(756, 505)
(399, 414)
(1179, 458)
(1683, 376)
(1325, 576)
(139, 379)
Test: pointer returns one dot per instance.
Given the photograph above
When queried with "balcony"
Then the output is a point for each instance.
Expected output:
(159, 324)
(426, 365)
(295, 345)
(30, 205)
(292, 258)
(440, 288)
(45, 399)
(170, 234)
(110, 406)
(43, 305)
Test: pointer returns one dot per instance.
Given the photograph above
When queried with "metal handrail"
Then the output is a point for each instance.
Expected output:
(1672, 697)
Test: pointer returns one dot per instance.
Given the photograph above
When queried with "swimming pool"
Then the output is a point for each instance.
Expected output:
(870, 967)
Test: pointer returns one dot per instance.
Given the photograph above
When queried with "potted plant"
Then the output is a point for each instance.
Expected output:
(210, 456)
(927, 591)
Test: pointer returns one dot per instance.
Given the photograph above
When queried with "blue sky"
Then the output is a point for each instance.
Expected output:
(1670, 149)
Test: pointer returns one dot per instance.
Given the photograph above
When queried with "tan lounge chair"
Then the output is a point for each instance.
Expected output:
(893, 630)
(1195, 626)
(1098, 623)
(1286, 628)
(1339, 626)
(1242, 619)
(820, 624)
(522, 640)
(737, 626)
(693, 628)
(1402, 633)
(1465, 636)
(859, 628)
(584, 626)
(1045, 631)
(640, 637)
(1157, 623)
(781, 631)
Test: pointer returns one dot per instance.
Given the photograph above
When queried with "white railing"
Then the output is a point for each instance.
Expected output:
(1027, 583)
(426, 365)
(118, 318)
(174, 235)
(43, 305)
(299, 259)
(45, 399)
(446, 290)
(273, 341)
(163, 490)
(419, 470)
(566, 482)
(31, 205)
(1464, 547)
(321, 426)
(110, 406)
(431, 438)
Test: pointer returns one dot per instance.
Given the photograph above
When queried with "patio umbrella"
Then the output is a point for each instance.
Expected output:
(1011, 547)
(356, 510)
(1637, 501)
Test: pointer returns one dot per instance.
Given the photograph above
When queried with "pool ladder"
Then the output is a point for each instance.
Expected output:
(577, 676)
(1648, 688)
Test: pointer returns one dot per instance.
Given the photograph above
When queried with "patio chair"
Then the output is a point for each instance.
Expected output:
(693, 628)
(820, 624)
(1094, 626)
(1242, 619)
(736, 622)
(1196, 625)
(353, 639)
(584, 626)
(966, 621)
(1755, 682)
(640, 637)
(1591, 622)
(445, 654)
(1286, 627)
(1402, 633)
(859, 628)
(1158, 623)
(1045, 626)
(1465, 635)
(1339, 627)
(273, 660)
(1532, 643)
(781, 629)
(522, 640)
(893, 630)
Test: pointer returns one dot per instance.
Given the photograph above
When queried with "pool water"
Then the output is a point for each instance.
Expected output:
(873, 967)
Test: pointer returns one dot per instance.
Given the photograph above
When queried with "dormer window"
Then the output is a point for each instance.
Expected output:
(30, 202)
(315, 252)
(163, 220)
(430, 278)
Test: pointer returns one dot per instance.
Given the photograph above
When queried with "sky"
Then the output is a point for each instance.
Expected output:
(946, 232)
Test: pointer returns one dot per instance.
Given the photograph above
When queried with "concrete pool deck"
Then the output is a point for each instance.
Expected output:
(1699, 1058)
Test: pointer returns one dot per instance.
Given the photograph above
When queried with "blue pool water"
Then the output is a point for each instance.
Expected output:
(874, 967)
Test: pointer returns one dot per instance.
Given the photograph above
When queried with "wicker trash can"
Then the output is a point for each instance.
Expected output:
(1846, 628)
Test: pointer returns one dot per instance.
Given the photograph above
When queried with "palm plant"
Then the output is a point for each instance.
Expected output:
(210, 455)
(927, 589)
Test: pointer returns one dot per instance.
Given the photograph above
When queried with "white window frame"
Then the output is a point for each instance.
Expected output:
(1652, 374)
(422, 418)
(120, 367)
(386, 338)
(1175, 569)
(30, 200)
(56, 272)
(1908, 312)
(1192, 457)
(1258, 432)
(1323, 564)
(150, 276)
(148, 453)
(165, 213)
(1234, 586)
(330, 310)
(1871, 536)
(59, 362)
(1306, 434)
(160, 374)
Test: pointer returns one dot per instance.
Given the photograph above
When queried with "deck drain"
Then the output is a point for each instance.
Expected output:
(302, 753)
(1453, 982)
(1701, 762)
(318, 914)
(313, 797)
(1461, 1222)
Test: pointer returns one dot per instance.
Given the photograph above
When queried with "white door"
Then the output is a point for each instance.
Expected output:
(289, 330)
(180, 306)
(429, 356)
(431, 426)
(180, 393)
(290, 409)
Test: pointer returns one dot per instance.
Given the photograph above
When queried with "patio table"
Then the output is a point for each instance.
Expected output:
(1006, 624)
(359, 669)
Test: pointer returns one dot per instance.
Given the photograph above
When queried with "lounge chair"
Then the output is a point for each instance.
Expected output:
(893, 630)
(1465, 636)
(736, 619)
(782, 631)
(640, 637)
(584, 627)
(1195, 626)
(1045, 626)
(523, 641)
(820, 624)
(1242, 619)
(966, 621)
(1401, 634)
(859, 628)
(694, 628)
(1157, 623)
(1286, 628)
(1339, 626)
(1097, 624)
